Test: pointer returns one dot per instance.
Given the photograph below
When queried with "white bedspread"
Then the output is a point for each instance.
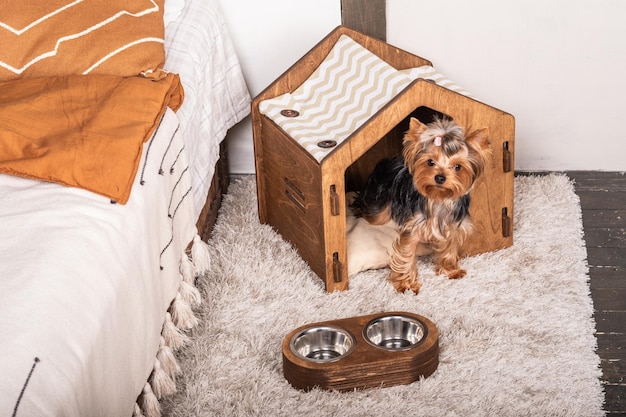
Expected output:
(199, 49)
(81, 308)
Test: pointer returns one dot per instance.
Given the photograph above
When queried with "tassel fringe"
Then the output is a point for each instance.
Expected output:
(189, 293)
(160, 381)
(149, 402)
(174, 337)
(182, 315)
(187, 270)
(179, 318)
(200, 256)
(137, 411)
(165, 355)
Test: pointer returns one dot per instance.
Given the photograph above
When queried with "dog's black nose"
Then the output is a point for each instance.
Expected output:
(440, 179)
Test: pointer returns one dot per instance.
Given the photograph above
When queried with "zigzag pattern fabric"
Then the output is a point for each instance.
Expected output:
(345, 91)
(429, 73)
(61, 37)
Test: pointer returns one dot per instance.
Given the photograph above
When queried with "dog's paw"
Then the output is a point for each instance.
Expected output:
(451, 273)
(404, 287)
(403, 283)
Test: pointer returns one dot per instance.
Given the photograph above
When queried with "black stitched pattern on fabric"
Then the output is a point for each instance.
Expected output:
(172, 224)
(181, 200)
(30, 374)
(145, 161)
(167, 149)
(180, 152)
(169, 214)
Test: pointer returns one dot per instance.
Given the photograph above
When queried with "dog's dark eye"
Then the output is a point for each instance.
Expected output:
(431, 163)
(457, 167)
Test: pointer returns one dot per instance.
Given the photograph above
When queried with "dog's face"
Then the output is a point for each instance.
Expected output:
(443, 162)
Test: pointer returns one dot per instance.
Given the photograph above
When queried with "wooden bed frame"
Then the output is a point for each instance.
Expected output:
(219, 186)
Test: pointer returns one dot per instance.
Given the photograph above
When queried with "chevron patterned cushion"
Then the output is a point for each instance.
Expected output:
(348, 87)
(62, 37)
(344, 92)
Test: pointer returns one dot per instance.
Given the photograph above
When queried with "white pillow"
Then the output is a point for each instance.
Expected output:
(368, 245)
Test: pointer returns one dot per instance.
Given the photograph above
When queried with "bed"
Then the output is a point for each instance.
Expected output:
(110, 178)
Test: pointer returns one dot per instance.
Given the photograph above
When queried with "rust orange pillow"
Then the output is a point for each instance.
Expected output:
(65, 37)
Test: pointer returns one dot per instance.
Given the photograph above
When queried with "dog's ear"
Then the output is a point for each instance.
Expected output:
(479, 148)
(412, 145)
(479, 139)
(416, 127)
(412, 136)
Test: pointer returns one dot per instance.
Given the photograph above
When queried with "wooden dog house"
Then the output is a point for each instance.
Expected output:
(301, 193)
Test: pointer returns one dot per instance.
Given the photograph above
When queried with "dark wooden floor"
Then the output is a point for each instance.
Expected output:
(603, 201)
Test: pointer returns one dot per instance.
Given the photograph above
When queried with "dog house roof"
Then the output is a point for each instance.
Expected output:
(348, 88)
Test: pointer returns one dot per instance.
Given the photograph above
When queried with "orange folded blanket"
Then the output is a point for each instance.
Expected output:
(82, 131)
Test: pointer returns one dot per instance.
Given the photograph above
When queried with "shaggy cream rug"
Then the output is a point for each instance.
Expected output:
(516, 334)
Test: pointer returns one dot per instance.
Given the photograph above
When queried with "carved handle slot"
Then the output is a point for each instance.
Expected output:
(294, 194)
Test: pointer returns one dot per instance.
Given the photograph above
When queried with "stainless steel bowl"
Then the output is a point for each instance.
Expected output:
(322, 343)
(394, 332)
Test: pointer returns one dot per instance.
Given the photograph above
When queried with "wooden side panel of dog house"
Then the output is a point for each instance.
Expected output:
(492, 197)
(292, 195)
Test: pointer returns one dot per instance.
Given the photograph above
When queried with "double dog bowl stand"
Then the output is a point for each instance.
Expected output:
(377, 350)
(322, 126)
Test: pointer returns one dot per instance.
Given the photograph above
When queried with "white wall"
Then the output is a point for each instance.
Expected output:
(270, 36)
(559, 66)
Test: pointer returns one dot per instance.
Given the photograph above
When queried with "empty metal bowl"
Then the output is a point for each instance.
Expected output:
(394, 332)
(322, 343)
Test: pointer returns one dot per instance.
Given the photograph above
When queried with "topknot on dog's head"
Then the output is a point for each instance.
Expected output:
(443, 132)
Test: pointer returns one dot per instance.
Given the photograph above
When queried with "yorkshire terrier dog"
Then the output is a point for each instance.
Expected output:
(426, 193)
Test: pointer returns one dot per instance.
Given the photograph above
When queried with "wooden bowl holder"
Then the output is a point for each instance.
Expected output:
(363, 365)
